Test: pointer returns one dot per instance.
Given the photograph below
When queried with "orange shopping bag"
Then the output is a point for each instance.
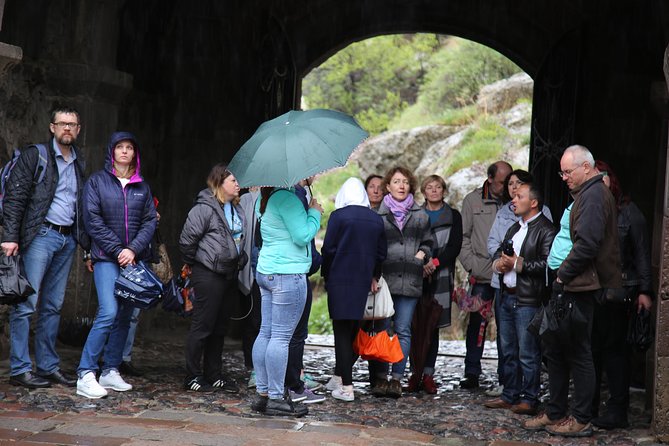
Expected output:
(378, 346)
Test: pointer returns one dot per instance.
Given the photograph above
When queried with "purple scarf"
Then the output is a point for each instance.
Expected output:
(399, 209)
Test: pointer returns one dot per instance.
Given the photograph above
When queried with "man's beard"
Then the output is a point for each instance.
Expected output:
(66, 140)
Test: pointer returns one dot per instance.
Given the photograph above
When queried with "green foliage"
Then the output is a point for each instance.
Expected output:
(484, 141)
(319, 319)
(372, 80)
(458, 71)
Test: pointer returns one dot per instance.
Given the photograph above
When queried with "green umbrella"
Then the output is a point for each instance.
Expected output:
(295, 146)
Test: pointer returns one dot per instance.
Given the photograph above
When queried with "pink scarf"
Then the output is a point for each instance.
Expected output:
(399, 209)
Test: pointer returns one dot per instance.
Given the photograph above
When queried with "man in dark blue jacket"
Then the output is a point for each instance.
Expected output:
(297, 387)
(43, 223)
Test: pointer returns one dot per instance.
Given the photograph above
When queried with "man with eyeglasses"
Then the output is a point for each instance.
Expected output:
(43, 222)
(582, 270)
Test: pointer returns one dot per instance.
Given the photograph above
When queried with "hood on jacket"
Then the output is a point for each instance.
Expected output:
(352, 193)
(117, 137)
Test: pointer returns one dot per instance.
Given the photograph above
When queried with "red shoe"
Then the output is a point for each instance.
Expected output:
(429, 385)
(414, 383)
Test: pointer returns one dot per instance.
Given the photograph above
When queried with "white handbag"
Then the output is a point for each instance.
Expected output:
(379, 305)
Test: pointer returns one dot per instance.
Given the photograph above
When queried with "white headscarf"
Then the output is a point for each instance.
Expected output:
(351, 193)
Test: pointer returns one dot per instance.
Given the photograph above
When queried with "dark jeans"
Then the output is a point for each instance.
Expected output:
(251, 325)
(522, 351)
(296, 347)
(612, 355)
(475, 352)
(211, 312)
(345, 332)
(498, 340)
(569, 350)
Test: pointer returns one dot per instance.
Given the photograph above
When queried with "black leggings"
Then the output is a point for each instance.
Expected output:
(345, 332)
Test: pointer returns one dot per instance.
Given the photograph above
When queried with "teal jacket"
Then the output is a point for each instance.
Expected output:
(562, 243)
(286, 230)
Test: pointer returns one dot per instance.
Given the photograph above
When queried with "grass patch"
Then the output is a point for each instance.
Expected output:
(484, 141)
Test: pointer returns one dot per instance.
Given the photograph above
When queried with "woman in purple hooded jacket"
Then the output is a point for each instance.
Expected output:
(120, 218)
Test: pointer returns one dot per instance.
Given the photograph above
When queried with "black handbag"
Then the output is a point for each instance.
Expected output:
(640, 331)
(14, 286)
(138, 286)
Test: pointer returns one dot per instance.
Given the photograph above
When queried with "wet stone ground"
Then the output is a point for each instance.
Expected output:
(452, 413)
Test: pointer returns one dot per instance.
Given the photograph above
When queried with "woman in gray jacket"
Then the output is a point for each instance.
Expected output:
(211, 242)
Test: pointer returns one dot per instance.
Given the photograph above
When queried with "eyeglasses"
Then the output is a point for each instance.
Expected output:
(567, 172)
(64, 125)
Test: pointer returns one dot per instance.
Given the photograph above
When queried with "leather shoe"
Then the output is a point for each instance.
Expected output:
(59, 377)
(524, 409)
(470, 382)
(285, 407)
(29, 380)
(126, 368)
(610, 421)
(497, 403)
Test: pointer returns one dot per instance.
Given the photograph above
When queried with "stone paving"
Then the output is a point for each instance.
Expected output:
(157, 409)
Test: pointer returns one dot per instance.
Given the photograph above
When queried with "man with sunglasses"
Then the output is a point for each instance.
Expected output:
(582, 271)
(42, 222)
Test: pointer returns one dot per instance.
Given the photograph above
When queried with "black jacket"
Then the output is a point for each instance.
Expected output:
(25, 207)
(634, 252)
(531, 270)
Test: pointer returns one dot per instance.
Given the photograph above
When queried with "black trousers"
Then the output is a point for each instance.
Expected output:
(568, 351)
(211, 312)
(296, 347)
(345, 332)
(611, 354)
(251, 324)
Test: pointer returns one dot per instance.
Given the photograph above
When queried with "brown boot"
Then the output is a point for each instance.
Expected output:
(540, 422)
(380, 387)
(524, 409)
(394, 389)
(570, 427)
(497, 403)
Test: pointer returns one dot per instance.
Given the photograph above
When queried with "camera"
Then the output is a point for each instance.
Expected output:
(507, 247)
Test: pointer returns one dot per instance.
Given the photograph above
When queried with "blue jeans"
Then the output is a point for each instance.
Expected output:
(522, 352)
(130, 341)
(282, 302)
(110, 328)
(474, 351)
(47, 261)
(404, 309)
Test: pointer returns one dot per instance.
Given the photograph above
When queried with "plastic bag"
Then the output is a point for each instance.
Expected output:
(378, 346)
(14, 286)
(138, 286)
(178, 294)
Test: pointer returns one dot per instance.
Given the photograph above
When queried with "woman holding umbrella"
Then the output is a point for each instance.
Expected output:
(410, 243)
(285, 258)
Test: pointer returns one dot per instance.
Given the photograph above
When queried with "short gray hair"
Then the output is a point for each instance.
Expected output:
(581, 155)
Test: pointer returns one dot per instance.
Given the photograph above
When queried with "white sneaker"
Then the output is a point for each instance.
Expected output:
(88, 386)
(495, 391)
(344, 393)
(334, 383)
(113, 380)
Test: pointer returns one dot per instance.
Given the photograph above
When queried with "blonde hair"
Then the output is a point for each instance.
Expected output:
(215, 181)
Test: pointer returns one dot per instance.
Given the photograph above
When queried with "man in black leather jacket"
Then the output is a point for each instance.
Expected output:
(524, 285)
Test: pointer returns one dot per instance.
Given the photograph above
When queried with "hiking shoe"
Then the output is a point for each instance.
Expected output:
(259, 403)
(252, 380)
(198, 384)
(429, 386)
(570, 427)
(89, 387)
(310, 383)
(226, 385)
(414, 383)
(495, 391)
(610, 421)
(470, 382)
(285, 407)
(540, 422)
(394, 388)
(334, 383)
(380, 388)
(311, 397)
(112, 379)
(344, 393)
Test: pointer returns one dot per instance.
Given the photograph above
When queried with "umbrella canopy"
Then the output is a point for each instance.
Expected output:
(295, 146)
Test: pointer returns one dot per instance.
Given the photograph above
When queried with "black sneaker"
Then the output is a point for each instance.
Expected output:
(610, 421)
(127, 368)
(198, 384)
(470, 382)
(226, 385)
(284, 407)
(259, 403)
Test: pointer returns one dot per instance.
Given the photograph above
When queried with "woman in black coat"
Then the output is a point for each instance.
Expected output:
(353, 250)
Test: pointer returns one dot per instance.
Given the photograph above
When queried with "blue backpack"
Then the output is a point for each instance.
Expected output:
(40, 170)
